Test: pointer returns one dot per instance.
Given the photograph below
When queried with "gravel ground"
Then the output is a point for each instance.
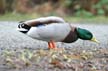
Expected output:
(14, 40)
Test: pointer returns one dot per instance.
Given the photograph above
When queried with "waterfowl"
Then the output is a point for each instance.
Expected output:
(54, 32)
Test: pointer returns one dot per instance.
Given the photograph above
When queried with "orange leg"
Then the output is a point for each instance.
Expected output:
(51, 44)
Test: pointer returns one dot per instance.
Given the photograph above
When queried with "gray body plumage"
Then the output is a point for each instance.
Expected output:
(55, 31)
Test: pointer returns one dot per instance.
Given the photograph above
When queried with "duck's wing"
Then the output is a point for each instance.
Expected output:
(45, 20)
(56, 32)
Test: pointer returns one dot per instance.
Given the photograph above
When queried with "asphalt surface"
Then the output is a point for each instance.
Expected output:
(10, 38)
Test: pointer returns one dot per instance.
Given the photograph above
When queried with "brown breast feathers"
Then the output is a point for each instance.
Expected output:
(72, 36)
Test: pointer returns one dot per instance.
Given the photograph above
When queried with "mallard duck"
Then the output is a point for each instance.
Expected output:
(54, 32)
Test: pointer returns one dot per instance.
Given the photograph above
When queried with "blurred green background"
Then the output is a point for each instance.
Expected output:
(71, 10)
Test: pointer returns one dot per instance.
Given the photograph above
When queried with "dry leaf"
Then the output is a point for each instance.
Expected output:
(42, 52)
(57, 64)
(29, 54)
(94, 68)
(7, 53)
(66, 58)
(86, 55)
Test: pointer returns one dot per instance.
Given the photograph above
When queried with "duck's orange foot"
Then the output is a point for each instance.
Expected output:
(52, 45)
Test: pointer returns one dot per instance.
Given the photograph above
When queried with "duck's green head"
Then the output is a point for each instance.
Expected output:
(85, 35)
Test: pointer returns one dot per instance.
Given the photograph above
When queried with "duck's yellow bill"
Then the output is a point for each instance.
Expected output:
(94, 40)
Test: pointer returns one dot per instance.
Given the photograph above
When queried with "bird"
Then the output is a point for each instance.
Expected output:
(57, 32)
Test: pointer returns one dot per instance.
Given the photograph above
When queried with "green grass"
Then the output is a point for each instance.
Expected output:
(17, 17)
(20, 17)
(97, 19)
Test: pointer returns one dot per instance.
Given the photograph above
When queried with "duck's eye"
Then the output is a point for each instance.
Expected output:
(22, 25)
